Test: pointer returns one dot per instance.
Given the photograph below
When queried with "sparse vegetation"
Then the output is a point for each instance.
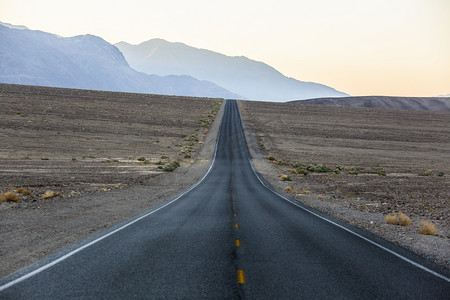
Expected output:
(290, 189)
(428, 228)
(380, 171)
(271, 157)
(10, 197)
(51, 194)
(320, 197)
(304, 192)
(440, 173)
(398, 219)
(171, 166)
(428, 172)
(285, 177)
(23, 191)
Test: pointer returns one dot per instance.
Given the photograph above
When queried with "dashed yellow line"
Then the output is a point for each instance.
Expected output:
(235, 215)
(240, 274)
(238, 243)
(236, 225)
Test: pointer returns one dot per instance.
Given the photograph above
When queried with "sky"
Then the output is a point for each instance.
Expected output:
(360, 47)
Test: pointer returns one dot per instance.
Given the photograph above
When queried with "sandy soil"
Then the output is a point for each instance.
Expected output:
(85, 145)
(404, 143)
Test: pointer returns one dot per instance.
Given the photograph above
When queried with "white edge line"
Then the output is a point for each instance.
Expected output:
(340, 226)
(60, 259)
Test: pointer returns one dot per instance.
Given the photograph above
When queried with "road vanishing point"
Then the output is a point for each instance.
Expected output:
(231, 236)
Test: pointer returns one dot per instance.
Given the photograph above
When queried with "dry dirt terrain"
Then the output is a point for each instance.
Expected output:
(103, 154)
(412, 103)
(361, 164)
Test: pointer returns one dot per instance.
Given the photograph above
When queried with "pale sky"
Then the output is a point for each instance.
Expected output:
(361, 47)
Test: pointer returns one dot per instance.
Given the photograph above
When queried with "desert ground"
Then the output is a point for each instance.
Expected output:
(103, 155)
(373, 161)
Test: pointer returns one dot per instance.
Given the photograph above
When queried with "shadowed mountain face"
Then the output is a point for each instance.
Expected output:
(411, 103)
(84, 62)
(248, 78)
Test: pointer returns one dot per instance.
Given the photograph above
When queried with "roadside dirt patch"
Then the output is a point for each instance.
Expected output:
(102, 151)
(361, 165)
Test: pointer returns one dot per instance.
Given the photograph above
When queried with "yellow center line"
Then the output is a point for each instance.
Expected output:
(235, 215)
(238, 243)
(236, 225)
(240, 274)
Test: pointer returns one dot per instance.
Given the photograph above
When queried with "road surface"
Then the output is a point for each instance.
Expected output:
(230, 237)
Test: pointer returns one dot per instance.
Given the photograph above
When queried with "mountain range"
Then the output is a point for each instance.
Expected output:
(251, 79)
(33, 57)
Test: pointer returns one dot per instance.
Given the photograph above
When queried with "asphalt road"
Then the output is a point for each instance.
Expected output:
(231, 237)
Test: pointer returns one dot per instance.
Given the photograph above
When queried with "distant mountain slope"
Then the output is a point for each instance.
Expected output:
(251, 79)
(411, 103)
(85, 62)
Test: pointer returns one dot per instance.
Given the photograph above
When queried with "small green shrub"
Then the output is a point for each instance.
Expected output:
(141, 159)
(171, 166)
(440, 173)
(286, 178)
(427, 173)
(380, 171)
(354, 171)
(270, 157)
(160, 163)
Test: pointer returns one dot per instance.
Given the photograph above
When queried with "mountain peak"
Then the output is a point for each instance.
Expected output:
(252, 79)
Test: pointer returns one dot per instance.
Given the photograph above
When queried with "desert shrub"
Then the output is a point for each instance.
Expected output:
(204, 123)
(2, 198)
(293, 171)
(290, 189)
(284, 177)
(441, 173)
(380, 171)
(305, 192)
(164, 157)
(428, 228)
(427, 173)
(398, 219)
(141, 159)
(320, 197)
(318, 168)
(271, 157)
(51, 194)
(192, 138)
(298, 165)
(11, 197)
(23, 191)
(354, 171)
(160, 163)
(171, 166)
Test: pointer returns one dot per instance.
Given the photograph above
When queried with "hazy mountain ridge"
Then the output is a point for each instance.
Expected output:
(33, 57)
(251, 79)
(409, 103)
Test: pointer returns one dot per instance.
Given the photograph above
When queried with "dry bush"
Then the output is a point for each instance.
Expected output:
(11, 197)
(23, 191)
(398, 219)
(293, 171)
(302, 191)
(290, 189)
(2, 198)
(320, 197)
(428, 228)
(51, 194)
